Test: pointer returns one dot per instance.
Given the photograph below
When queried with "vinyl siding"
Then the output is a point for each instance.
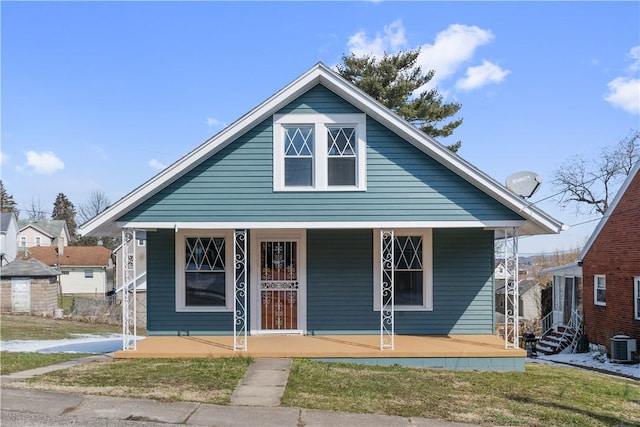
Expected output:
(340, 287)
(340, 290)
(162, 317)
(236, 184)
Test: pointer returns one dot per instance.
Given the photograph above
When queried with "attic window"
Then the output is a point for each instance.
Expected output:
(319, 152)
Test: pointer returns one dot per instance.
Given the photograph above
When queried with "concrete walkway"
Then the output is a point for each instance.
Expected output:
(263, 384)
(254, 402)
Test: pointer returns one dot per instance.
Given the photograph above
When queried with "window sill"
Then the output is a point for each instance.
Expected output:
(600, 304)
(204, 309)
(318, 190)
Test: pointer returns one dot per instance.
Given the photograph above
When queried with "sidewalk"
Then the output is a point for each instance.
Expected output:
(254, 403)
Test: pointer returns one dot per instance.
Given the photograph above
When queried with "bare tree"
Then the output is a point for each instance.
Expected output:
(97, 203)
(594, 182)
(36, 211)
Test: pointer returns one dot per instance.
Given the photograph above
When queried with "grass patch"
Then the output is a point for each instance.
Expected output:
(543, 395)
(206, 380)
(16, 362)
(25, 327)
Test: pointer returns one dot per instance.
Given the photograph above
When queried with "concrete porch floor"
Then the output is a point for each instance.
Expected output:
(324, 347)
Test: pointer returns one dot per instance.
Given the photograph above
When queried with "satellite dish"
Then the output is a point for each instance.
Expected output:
(524, 184)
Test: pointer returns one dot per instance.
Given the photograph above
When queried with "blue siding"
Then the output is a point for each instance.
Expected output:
(340, 287)
(236, 184)
(162, 317)
(340, 290)
(340, 281)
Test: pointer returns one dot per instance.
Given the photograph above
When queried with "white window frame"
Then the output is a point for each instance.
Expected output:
(38, 241)
(427, 265)
(23, 241)
(180, 252)
(320, 122)
(88, 274)
(636, 295)
(595, 289)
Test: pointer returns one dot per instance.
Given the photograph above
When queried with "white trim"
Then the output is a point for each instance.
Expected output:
(427, 264)
(257, 236)
(319, 225)
(320, 148)
(537, 221)
(610, 211)
(636, 295)
(180, 302)
(595, 290)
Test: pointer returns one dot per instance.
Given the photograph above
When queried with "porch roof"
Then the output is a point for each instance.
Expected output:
(571, 269)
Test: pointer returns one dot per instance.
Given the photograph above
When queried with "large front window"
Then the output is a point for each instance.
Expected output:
(204, 271)
(412, 265)
(319, 152)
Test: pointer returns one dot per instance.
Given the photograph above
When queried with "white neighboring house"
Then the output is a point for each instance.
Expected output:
(529, 299)
(43, 233)
(8, 236)
(84, 270)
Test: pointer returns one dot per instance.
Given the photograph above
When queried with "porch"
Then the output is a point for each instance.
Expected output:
(482, 352)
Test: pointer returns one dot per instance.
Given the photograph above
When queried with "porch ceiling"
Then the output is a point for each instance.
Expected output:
(323, 346)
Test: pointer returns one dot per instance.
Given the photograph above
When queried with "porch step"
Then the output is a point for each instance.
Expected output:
(555, 341)
(263, 384)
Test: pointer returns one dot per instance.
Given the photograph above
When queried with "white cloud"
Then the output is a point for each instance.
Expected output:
(452, 48)
(624, 92)
(155, 164)
(392, 40)
(211, 122)
(3, 158)
(481, 75)
(44, 163)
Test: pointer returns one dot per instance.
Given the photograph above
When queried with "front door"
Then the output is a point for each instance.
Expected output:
(279, 285)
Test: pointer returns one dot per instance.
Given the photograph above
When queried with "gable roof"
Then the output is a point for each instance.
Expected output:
(536, 221)
(51, 228)
(5, 219)
(524, 286)
(71, 256)
(610, 210)
(31, 267)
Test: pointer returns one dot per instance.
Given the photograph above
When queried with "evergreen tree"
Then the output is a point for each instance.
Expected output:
(393, 80)
(63, 209)
(7, 204)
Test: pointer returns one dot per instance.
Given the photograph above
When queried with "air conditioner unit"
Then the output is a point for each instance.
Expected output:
(622, 348)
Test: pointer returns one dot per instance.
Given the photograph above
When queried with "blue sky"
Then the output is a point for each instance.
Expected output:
(101, 96)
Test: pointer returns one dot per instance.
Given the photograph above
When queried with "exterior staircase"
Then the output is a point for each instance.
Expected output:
(561, 338)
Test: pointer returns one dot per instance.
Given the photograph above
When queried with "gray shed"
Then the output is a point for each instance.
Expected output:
(29, 286)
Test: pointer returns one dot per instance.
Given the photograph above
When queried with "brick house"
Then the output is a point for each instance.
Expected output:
(610, 264)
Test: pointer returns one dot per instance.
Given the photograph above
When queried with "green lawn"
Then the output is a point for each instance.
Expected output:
(196, 380)
(16, 327)
(16, 362)
(541, 396)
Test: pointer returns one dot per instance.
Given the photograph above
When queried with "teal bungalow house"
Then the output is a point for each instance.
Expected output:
(319, 220)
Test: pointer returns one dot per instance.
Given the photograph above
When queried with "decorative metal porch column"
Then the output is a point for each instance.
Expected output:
(129, 309)
(240, 290)
(511, 315)
(387, 266)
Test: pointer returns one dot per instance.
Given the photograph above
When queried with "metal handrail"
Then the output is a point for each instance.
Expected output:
(546, 324)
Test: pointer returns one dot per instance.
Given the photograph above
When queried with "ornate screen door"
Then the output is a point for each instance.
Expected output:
(279, 285)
